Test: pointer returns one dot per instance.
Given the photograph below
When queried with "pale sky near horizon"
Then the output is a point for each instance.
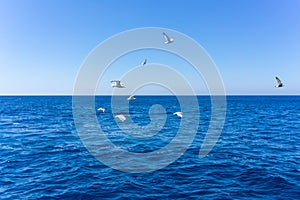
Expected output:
(44, 43)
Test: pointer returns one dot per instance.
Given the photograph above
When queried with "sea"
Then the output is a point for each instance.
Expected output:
(44, 156)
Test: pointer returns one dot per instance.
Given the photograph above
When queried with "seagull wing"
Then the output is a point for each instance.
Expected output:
(121, 117)
(278, 80)
(115, 83)
(101, 109)
(166, 37)
(179, 114)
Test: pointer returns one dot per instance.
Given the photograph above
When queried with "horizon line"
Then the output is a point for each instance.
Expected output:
(5, 95)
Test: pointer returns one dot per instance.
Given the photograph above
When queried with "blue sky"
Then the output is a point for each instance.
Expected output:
(44, 43)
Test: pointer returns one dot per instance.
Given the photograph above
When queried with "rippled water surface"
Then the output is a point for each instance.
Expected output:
(256, 156)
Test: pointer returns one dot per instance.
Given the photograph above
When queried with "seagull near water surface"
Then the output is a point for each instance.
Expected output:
(279, 83)
(121, 117)
(131, 98)
(168, 40)
(179, 114)
(101, 109)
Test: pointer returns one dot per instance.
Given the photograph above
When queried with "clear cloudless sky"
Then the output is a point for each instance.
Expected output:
(44, 43)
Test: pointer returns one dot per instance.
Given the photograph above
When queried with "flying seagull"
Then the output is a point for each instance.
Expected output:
(117, 84)
(121, 117)
(168, 40)
(279, 83)
(101, 109)
(179, 114)
(144, 63)
(131, 98)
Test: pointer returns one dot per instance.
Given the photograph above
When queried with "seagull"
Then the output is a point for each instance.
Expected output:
(101, 109)
(121, 117)
(179, 114)
(131, 98)
(144, 63)
(168, 40)
(117, 84)
(279, 83)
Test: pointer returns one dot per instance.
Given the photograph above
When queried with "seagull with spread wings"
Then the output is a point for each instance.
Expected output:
(168, 40)
(131, 98)
(179, 114)
(121, 117)
(117, 84)
(279, 83)
(101, 109)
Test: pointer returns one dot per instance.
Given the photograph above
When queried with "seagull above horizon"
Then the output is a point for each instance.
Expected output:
(101, 109)
(168, 40)
(117, 84)
(179, 114)
(131, 98)
(121, 117)
(279, 83)
(144, 63)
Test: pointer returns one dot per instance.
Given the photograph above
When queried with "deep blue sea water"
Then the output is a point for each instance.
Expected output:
(256, 157)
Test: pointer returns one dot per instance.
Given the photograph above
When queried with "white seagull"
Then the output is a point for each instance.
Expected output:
(117, 84)
(121, 117)
(101, 109)
(168, 40)
(144, 63)
(179, 114)
(279, 83)
(131, 98)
